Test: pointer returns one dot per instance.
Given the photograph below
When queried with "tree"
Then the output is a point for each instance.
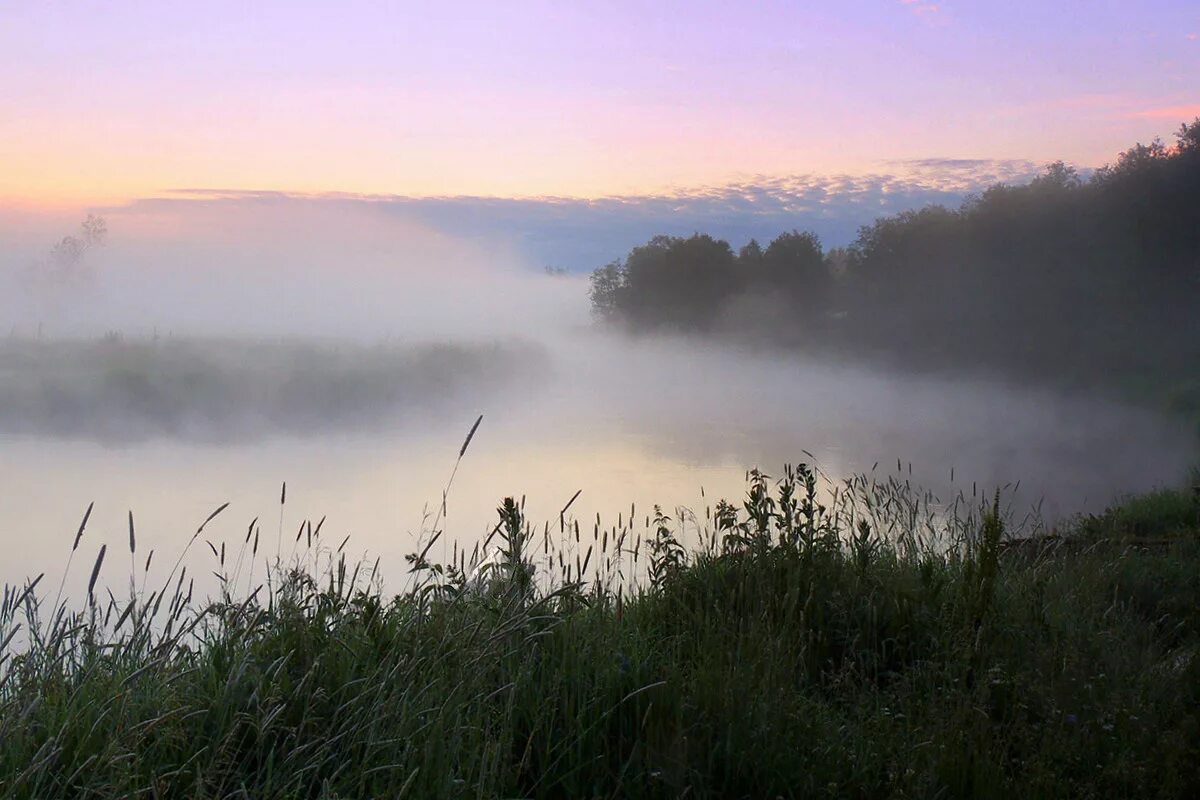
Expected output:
(64, 263)
(794, 258)
(1134, 162)
(95, 231)
(750, 257)
(1057, 177)
(1187, 140)
(607, 290)
(1089, 280)
(669, 281)
(690, 282)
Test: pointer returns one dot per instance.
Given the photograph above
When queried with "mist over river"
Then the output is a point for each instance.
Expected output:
(627, 421)
(211, 351)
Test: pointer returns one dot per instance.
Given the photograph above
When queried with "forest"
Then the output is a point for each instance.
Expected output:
(1072, 280)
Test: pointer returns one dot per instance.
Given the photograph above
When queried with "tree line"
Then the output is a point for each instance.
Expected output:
(1065, 277)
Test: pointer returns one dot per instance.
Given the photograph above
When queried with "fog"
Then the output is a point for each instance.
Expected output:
(210, 350)
(283, 267)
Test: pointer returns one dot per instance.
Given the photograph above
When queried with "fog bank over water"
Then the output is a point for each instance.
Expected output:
(258, 268)
(285, 351)
(697, 403)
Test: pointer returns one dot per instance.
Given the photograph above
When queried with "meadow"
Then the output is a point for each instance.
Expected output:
(842, 639)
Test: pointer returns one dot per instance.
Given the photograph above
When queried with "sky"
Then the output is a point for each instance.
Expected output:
(603, 116)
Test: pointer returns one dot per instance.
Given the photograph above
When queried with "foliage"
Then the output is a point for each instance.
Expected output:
(1152, 516)
(821, 641)
(1088, 283)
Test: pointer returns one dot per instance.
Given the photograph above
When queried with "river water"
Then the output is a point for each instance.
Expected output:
(625, 423)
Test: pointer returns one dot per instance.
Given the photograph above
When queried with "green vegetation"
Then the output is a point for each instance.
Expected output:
(215, 389)
(1090, 284)
(860, 642)
(1156, 515)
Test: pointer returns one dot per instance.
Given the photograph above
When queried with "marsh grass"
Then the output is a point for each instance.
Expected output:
(862, 640)
(1157, 515)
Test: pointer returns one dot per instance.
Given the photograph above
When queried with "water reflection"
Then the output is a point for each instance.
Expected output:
(661, 424)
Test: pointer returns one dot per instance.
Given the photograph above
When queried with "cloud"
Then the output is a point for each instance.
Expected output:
(265, 264)
(580, 234)
(1185, 112)
(920, 8)
(963, 174)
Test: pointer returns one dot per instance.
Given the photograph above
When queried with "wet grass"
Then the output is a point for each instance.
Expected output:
(864, 642)
(1157, 514)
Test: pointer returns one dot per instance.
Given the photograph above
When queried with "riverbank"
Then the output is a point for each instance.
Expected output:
(859, 650)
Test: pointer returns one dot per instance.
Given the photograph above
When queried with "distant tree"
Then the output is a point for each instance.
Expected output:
(910, 237)
(794, 269)
(750, 257)
(646, 284)
(1187, 140)
(1134, 162)
(668, 282)
(793, 259)
(1098, 276)
(1057, 177)
(690, 281)
(64, 263)
(838, 262)
(65, 255)
(95, 231)
(607, 290)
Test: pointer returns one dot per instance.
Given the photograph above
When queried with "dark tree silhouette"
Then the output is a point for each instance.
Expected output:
(1094, 282)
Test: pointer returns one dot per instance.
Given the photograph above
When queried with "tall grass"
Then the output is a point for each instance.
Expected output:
(857, 641)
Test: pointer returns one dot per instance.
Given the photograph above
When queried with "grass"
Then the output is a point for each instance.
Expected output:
(1155, 515)
(874, 644)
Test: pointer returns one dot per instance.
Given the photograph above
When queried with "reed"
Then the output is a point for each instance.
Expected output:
(831, 640)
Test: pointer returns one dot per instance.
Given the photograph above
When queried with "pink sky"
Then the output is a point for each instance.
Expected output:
(103, 103)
